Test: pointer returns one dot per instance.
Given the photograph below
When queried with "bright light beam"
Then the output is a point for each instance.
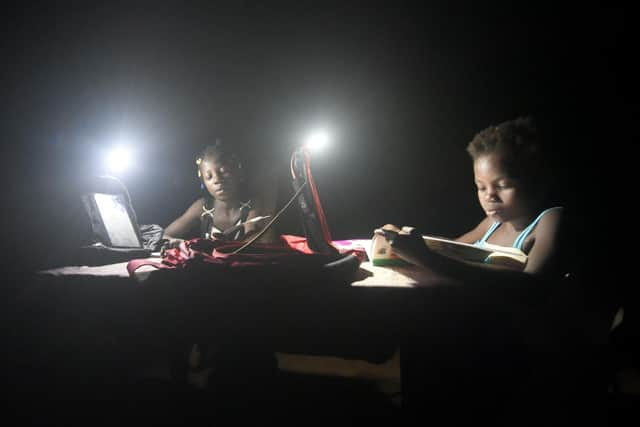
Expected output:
(317, 140)
(118, 159)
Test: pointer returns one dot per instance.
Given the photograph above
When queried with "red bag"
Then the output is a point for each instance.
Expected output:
(293, 250)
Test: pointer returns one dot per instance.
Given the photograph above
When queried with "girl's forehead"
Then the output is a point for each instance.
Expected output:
(213, 160)
(489, 165)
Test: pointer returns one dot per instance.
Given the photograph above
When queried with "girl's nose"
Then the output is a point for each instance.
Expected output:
(491, 194)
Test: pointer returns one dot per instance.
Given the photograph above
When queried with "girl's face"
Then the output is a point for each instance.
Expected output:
(500, 195)
(220, 178)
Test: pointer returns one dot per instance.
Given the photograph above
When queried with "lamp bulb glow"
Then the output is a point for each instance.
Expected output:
(118, 159)
(317, 140)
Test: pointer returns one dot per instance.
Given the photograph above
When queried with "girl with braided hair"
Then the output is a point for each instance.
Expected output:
(225, 208)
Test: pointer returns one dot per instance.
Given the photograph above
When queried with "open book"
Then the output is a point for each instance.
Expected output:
(382, 252)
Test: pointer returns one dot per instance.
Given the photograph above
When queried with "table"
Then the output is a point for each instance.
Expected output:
(102, 316)
(369, 300)
(371, 276)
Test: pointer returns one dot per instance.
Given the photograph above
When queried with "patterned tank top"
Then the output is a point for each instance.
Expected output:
(208, 229)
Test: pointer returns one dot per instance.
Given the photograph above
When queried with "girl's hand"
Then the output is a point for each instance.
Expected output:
(390, 227)
(169, 243)
(218, 236)
(389, 231)
(409, 245)
(174, 243)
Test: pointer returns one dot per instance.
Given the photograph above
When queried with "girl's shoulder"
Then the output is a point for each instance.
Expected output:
(548, 225)
(551, 217)
(199, 203)
(196, 207)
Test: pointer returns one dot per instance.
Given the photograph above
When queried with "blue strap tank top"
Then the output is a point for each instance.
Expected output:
(523, 234)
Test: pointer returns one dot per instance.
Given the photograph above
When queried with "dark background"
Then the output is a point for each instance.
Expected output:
(401, 86)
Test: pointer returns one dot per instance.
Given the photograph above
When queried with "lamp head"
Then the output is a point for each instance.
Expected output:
(118, 159)
(317, 140)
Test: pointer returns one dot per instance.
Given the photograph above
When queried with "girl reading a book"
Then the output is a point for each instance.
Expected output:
(511, 187)
(541, 306)
(225, 211)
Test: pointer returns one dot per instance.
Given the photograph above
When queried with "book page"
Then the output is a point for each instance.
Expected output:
(456, 249)
(383, 255)
(493, 254)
